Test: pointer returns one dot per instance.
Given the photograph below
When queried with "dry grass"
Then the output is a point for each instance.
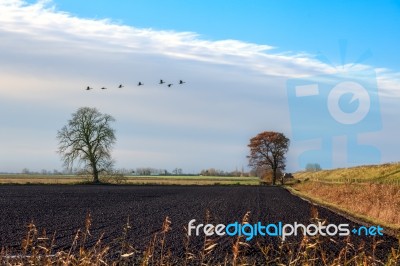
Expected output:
(191, 182)
(131, 180)
(37, 249)
(41, 181)
(369, 192)
(381, 202)
(22, 179)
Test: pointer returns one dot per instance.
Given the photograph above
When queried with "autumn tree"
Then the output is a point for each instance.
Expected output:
(268, 149)
(87, 139)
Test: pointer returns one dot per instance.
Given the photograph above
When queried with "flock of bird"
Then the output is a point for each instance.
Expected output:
(181, 82)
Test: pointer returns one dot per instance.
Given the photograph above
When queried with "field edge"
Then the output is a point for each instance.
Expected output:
(389, 229)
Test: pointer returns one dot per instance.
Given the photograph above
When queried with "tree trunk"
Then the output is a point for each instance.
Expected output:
(273, 176)
(96, 177)
(95, 174)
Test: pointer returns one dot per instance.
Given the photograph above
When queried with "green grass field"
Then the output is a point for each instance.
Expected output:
(133, 180)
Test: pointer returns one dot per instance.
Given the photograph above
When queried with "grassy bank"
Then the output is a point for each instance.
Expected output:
(383, 174)
(370, 193)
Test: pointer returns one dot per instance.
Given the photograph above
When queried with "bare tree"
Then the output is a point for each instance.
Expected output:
(268, 149)
(87, 139)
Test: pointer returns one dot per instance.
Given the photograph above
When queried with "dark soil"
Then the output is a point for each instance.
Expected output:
(62, 209)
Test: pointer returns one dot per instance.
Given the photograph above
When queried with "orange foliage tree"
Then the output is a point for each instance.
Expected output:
(268, 149)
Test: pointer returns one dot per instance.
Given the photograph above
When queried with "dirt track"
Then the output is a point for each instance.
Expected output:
(62, 209)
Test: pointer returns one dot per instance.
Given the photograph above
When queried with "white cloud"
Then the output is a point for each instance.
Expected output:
(234, 89)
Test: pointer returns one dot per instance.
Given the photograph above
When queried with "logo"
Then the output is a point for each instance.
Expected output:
(279, 229)
(330, 113)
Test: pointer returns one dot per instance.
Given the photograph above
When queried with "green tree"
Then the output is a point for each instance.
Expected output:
(88, 139)
(268, 149)
(313, 167)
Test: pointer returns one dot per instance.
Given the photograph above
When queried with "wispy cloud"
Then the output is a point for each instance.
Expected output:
(234, 89)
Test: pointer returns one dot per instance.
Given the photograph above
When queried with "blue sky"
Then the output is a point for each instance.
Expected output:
(239, 58)
(300, 26)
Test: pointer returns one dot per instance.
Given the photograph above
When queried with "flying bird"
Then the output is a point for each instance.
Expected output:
(169, 85)
(161, 81)
(181, 82)
(140, 83)
(88, 88)
(120, 86)
(103, 88)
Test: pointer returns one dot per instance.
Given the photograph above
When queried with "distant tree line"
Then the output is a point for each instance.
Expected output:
(149, 171)
(26, 171)
(217, 172)
(144, 171)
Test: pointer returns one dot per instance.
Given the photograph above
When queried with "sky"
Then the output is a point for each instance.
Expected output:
(249, 66)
